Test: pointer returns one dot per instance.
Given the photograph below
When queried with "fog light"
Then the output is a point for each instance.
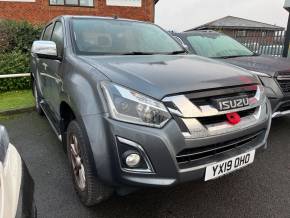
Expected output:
(133, 159)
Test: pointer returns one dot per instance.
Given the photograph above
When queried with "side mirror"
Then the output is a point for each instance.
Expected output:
(4, 143)
(44, 49)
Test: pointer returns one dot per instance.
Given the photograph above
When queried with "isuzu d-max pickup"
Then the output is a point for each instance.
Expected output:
(134, 110)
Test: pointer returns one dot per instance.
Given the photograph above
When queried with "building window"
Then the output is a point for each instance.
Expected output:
(84, 3)
(56, 2)
(242, 33)
(17, 1)
(126, 3)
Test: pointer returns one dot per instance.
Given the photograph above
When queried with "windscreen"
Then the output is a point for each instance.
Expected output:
(217, 46)
(101, 36)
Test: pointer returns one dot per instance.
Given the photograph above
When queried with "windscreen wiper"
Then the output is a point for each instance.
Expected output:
(178, 52)
(137, 53)
(235, 56)
(151, 53)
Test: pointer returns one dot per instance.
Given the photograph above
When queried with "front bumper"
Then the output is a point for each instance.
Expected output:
(162, 150)
(161, 146)
(280, 101)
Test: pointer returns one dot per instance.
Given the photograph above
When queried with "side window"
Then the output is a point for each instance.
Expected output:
(47, 32)
(57, 37)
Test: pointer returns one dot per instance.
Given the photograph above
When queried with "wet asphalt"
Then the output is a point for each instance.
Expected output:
(260, 190)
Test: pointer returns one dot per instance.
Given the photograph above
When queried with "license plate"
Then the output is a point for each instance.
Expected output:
(227, 166)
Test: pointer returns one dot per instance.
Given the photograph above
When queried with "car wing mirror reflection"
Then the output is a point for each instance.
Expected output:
(4, 142)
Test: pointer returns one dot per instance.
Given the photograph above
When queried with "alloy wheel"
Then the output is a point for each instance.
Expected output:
(77, 163)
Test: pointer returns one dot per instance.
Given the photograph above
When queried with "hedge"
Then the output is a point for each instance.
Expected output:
(16, 39)
(17, 35)
(15, 84)
(12, 63)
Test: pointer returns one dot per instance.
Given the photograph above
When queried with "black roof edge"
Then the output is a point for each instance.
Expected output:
(210, 26)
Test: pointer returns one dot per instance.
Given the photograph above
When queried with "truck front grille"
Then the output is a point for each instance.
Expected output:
(199, 116)
(285, 85)
(284, 81)
(195, 154)
(222, 118)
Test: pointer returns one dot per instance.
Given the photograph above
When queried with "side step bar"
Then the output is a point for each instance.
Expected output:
(47, 113)
(280, 114)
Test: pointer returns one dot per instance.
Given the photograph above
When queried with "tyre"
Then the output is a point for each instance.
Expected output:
(90, 190)
(37, 100)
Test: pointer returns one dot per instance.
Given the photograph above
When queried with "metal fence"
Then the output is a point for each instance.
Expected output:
(5, 76)
(261, 42)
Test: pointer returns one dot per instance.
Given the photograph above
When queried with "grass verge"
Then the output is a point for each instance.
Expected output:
(16, 100)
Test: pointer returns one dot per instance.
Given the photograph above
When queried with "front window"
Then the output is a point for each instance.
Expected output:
(217, 46)
(57, 37)
(85, 3)
(47, 32)
(115, 37)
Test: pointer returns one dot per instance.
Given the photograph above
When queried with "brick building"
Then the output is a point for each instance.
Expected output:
(41, 11)
(252, 33)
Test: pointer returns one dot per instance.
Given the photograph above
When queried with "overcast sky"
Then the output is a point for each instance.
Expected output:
(181, 15)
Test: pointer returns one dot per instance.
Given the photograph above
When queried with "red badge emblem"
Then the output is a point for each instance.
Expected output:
(233, 118)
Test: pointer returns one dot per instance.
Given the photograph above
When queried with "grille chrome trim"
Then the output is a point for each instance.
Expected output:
(190, 115)
(188, 109)
(197, 130)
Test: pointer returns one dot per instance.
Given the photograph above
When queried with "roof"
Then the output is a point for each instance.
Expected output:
(231, 22)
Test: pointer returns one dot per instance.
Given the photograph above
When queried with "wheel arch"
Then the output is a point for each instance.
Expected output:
(66, 115)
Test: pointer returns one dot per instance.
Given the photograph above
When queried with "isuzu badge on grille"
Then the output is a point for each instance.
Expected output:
(232, 103)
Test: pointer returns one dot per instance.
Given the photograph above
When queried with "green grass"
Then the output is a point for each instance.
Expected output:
(16, 100)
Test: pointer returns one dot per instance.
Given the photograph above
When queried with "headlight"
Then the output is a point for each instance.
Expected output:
(267, 82)
(260, 74)
(132, 107)
(270, 85)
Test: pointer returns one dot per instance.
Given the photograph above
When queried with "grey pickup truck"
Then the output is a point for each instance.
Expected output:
(274, 72)
(134, 110)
